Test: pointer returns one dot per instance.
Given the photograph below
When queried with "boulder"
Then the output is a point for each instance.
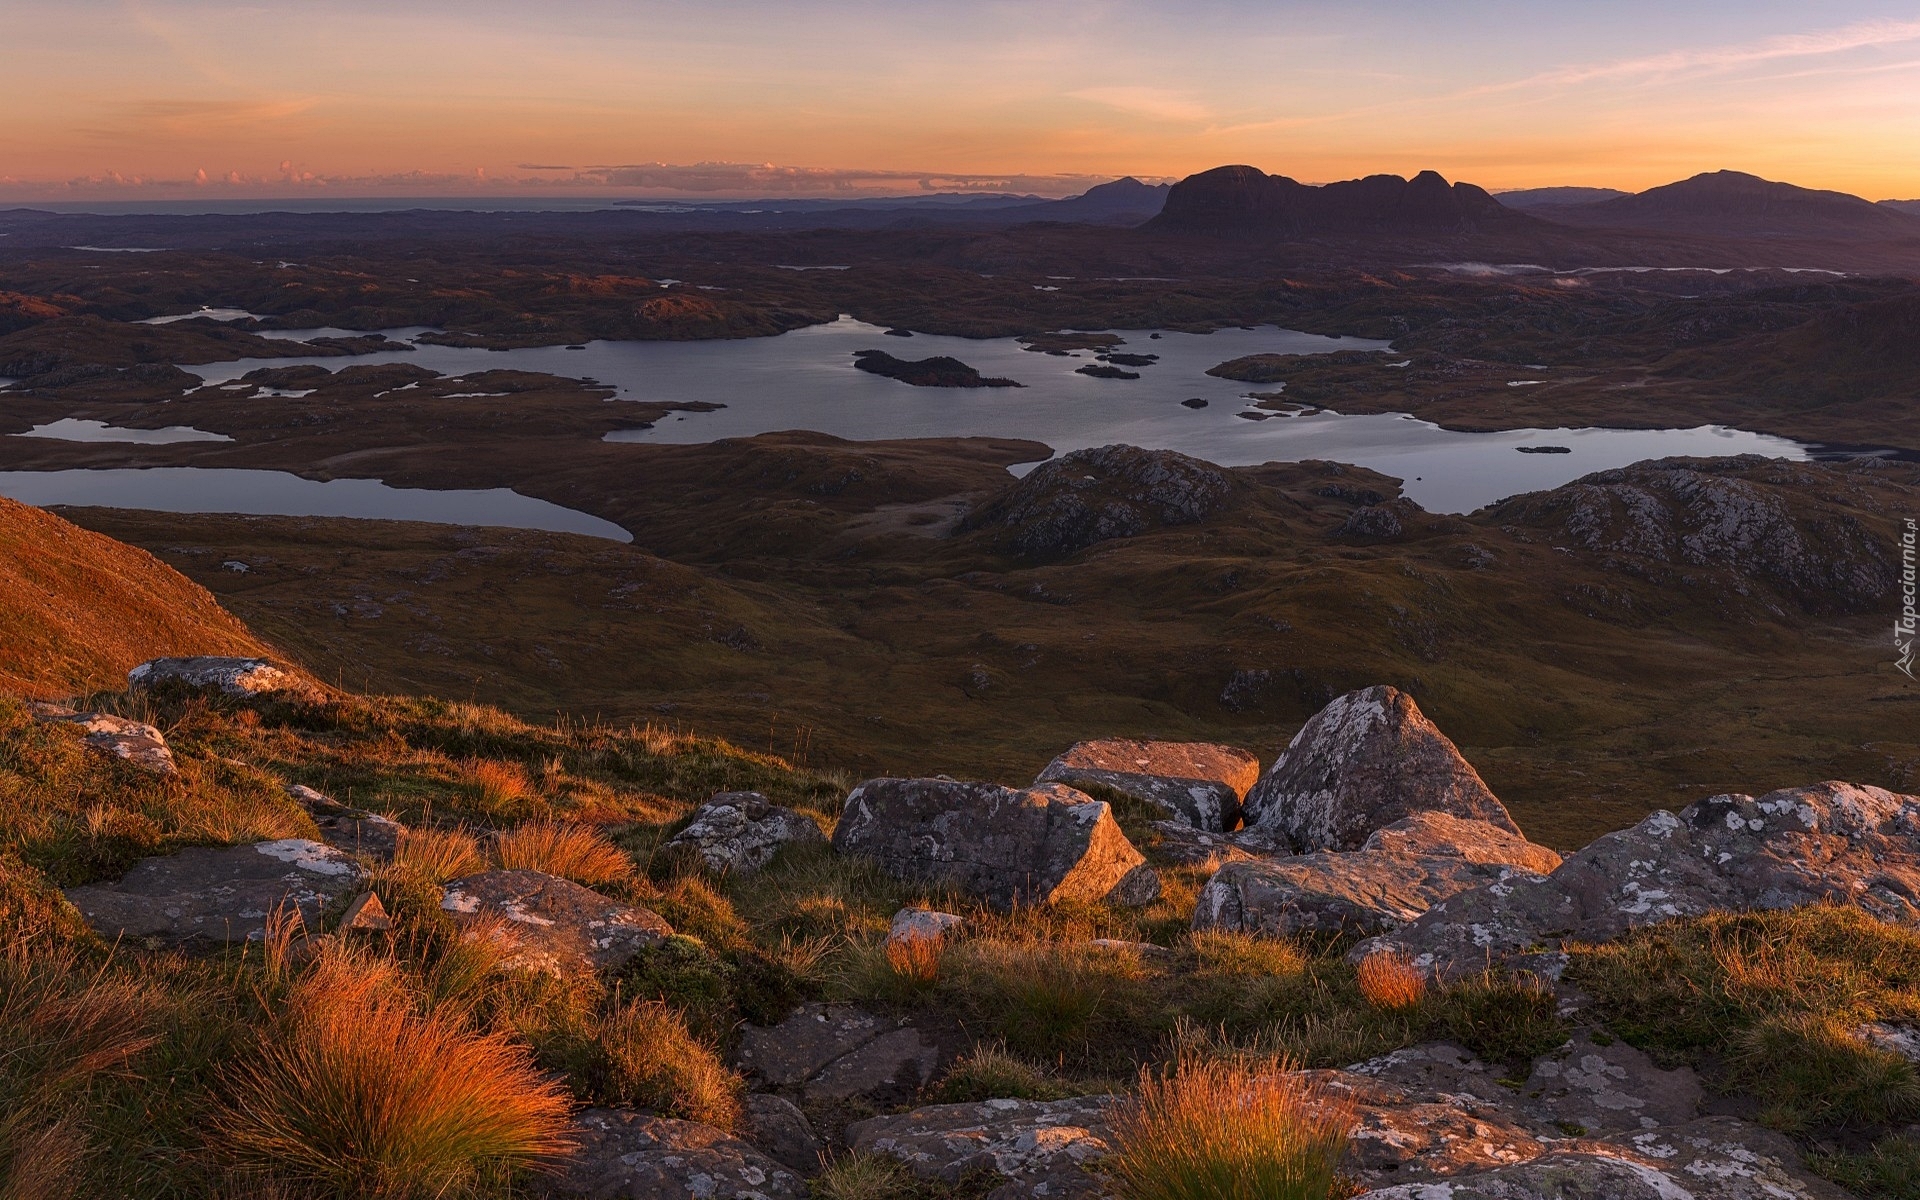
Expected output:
(625, 1155)
(1366, 760)
(1090, 496)
(231, 676)
(553, 925)
(1832, 841)
(131, 741)
(740, 832)
(208, 897)
(834, 1052)
(783, 1133)
(923, 923)
(1042, 1147)
(1007, 847)
(1197, 783)
(1182, 845)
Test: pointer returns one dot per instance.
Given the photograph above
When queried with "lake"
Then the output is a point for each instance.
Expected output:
(805, 379)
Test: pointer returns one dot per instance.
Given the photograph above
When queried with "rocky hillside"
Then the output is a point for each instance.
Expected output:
(77, 610)
(1735, 204)
(1247, 201)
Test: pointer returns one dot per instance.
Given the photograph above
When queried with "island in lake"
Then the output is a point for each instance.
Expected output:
(939, 371)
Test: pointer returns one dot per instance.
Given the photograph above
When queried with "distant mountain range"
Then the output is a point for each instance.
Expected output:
(1526, 198)
(1245, 200)
(1733, 204)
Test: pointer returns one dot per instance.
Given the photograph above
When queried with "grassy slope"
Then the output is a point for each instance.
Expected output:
(78, 610)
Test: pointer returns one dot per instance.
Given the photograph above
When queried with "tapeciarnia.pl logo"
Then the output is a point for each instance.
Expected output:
(1903, 627)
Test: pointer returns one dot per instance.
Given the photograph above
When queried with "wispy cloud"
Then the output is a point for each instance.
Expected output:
(1160, 104)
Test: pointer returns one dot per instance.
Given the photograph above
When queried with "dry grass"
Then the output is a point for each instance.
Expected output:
(1227, 1129)
(353, 1091)
(500, 789)
(577, 852)
(1389, 980)
(915, 959)
(439, 855)
(643, 1055)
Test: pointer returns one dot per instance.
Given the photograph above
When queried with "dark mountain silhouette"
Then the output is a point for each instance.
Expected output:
(1905, 206)
(1530, 198)
(1733, 204)
(1122, 201)
(1245, 200)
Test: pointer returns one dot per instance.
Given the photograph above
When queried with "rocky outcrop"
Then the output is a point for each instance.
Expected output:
(740, 832)
(231, 676)
(834, 1052)
(552, 925)
(1197, 783)
(1041, 1147)
(206, 897)
(1245, 201)
(1402, 871)
(624, 1155)
(1832, 841)
(353, 830)
(130, 741)
(1366, 760)
(1090, 496)
(1006, 847)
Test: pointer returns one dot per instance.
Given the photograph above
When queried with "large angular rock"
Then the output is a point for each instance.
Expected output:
(550, 924)
(834, 1052)
(1366, 760)
(782, 1132)
(210, 897)
(625, 1155)
(1402, 871)
(1007, 847)
(131, 741)
(1042, 1147)
(740, 832)
(1090, 496)
(1832, 841)
(232, 676)
(1197, 783)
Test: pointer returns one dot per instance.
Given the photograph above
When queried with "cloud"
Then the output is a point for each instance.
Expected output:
(1160, 104)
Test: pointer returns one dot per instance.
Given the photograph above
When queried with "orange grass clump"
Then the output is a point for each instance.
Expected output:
(438, 855)
(1228, 1129)
(1389, 980)
(577, 852)
(499, 786)
(355, 1092)
(915, 958)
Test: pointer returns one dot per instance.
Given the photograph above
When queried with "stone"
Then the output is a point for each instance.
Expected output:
(626, 1155)
(834, 1052)
(923, 923)
(365, 914)
(1903, 1040)
(1402, 1132)
(1086, 497)
(1008, 848)
(1442, 835)
(353, 830)
(1366, 760)
(1197, 783)
(1041, 1147)
(783, 1133)
(552, 925)
(740, 832)
(1182, 845)
(231, 676)
(1830, 842)
(1589, 1089)
(130, 741)
(208, 897)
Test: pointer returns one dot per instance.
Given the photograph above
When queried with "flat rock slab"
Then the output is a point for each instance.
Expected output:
(627, 1155)
(835, 1052)
(1196, 783)
(353, 830)
(212, 897)
(231, 676)
(1006, 847)
(553, 925)
(1042, 1147)
(1366, 760)
(1596, 1089)
(740, 832)
(1833, 842)
(783, 1133)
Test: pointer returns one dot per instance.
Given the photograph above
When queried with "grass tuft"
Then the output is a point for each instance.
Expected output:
(438, 855)
(1388, 980)
(990, 1073)
(1227, 1129)
(642, 1055)
(500, 789)
(915, 960)
(577, 852)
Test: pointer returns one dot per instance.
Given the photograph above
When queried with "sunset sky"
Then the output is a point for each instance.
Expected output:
(129, 99)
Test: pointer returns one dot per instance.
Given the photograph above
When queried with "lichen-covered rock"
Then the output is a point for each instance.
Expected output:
(1366, 760)
(1833, 841)
(550, 924)
(353, 830)
(834, 1051)
(1007, 847)
(209, 897)
(1598, 1089)
(1198, 783)
(1042, 1147)
(1183, 845)
(625, 1155)
(1401, 1132)
(740, 832)
(911, 923)
(1090, 496)
(131, 741)
(232, 676)
(782, 1132)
